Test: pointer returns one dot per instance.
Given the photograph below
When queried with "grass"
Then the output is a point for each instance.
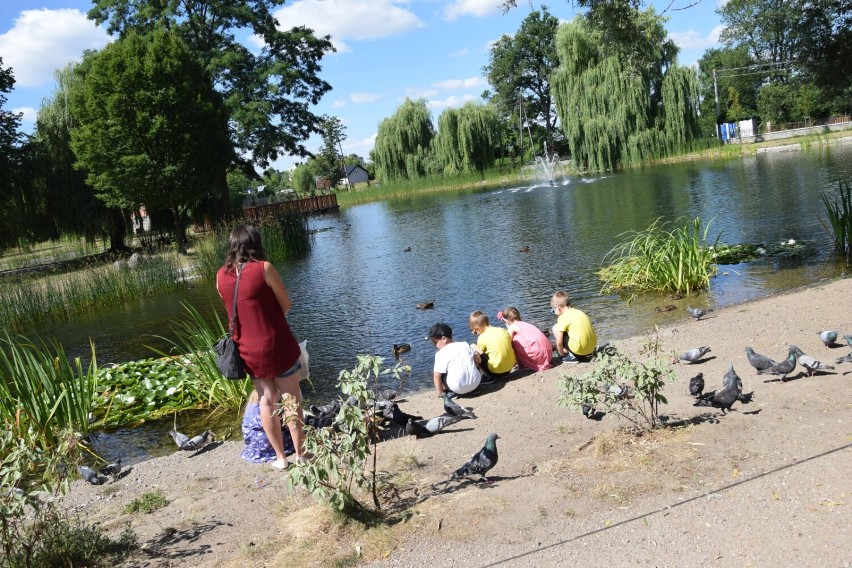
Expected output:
(63, 248)
(839, 212)
(147, 503)
(42, 392)
(666, 257)
(57, 297)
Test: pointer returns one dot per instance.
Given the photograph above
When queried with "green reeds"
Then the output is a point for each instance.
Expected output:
(42, 393)
(664, 258)
(57, 297)
(839, 212)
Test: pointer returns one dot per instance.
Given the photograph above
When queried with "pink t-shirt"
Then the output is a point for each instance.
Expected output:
(532, 348)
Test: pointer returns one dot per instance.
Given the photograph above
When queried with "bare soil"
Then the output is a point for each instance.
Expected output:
(765, 485)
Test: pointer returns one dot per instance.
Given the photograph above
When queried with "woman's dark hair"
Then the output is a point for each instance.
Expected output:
(243, 246)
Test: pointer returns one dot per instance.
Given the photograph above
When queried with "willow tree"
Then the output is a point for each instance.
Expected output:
(621, 97)
(468, 138)
(403, 142)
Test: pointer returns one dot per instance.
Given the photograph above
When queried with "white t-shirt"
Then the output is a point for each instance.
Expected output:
(456, 360)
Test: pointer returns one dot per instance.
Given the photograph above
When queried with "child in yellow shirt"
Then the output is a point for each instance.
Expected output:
(575, 338)
(495, 347)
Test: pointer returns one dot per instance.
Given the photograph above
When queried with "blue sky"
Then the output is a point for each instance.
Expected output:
(387, 50)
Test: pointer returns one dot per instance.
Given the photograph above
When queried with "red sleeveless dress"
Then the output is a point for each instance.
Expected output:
(267, 346)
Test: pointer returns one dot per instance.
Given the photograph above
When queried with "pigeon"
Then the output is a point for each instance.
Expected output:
(811, 365)
(758, 361)
(617, 392)
(588, 410)
(331, 408)
(724, 399)
(481, 462)
(413, 428)
(696, 385)
(91, 475)
(783, 368)
(697, 313)
(197, 442)
(180, 439)
(732, 380)
(848, 339)
(112, 469)
(694, 355)
(828, 337)
(387, 394)
(455, 409)
(400, 417)
(435, 425)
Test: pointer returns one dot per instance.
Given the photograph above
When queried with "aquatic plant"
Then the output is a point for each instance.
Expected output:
(666, 257)
(839, 212)
(42, 392)
(33, 300)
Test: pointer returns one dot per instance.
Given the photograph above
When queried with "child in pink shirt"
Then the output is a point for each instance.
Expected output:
(532, 348)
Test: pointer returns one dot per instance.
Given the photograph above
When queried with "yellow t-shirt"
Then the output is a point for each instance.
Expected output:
(581, 337)
(495, 341)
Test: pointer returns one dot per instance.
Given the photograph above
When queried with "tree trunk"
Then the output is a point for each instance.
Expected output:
(180, 233)
(117, 230)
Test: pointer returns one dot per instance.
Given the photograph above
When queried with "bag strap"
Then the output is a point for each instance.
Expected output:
(234, 314)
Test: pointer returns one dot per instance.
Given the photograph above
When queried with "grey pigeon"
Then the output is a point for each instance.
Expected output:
(325, 409)
(455, 409)
(724, 399)
(697, 313)
(758, 361)
(848, 339)
(618, 392)
(844, 359)
(588, 410)
(828, 337)
(180, 439)
(400, 417)
(783, 368)
(197, 442)
(112, 469)
(91, 475)
(388, 394)
(811, 365)
(732, 380)
(696, 385)
(694, 355)
(435, 425)
(481, 461)
(413, 428)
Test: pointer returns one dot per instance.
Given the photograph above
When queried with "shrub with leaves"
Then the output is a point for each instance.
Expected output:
(342, 452)
(623, 385)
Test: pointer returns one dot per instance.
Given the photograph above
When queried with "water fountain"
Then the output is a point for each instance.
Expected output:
(545, 165)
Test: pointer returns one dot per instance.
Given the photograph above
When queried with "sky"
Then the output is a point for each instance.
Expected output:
(387, 50)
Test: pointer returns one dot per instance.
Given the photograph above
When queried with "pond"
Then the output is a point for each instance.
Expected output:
(357, 290)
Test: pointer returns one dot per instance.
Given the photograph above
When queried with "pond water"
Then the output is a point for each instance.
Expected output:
(357, 290)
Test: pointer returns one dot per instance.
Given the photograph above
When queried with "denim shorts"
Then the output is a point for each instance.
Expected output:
(290, 371)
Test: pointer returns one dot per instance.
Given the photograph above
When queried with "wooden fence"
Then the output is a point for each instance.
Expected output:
(316, 204)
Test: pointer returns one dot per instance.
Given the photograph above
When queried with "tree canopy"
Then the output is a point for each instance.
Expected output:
(12, 195)
(403, 142)
(620, 103)
(520, 67)
(148, 128)
(468, 138)
(268, 95)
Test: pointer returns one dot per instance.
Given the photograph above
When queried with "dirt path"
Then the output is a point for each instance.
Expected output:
(766, 485)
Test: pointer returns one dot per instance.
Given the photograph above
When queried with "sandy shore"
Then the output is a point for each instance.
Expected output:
(766, 485)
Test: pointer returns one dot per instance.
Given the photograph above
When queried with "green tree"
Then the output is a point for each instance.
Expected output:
(303, 180)
(770, 29)
(520, 67)
(402, 149)
(268, 95)
(826, 51)
(622, 103)
(736, 84)
(148, 128)
(11, 195)
(468, 138)
(329, 163)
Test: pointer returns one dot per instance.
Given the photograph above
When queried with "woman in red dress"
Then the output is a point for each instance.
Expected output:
(268, 348)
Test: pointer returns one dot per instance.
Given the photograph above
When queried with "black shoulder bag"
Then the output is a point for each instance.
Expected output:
(227, 351)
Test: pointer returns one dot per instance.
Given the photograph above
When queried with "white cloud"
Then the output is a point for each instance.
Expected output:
(476, 8)
(460, 53)
(691, 40)
(28, 114)
(348, 19)
(468, 83)
(339, 103)
(452, 101)
(361, 147)
(419, 93)
(43, 41)
(361, 98)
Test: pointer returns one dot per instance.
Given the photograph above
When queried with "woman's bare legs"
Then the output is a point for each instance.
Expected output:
(290, 391)
(267, 401)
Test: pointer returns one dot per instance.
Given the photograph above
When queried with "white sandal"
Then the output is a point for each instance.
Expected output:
(281, 464)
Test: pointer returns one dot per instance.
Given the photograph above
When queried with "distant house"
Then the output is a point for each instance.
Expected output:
(355, 174)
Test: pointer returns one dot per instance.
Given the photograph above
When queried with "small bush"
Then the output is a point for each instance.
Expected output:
(147, 503)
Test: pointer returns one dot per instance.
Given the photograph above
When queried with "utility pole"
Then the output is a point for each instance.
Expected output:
(716, 96)
(521, 130)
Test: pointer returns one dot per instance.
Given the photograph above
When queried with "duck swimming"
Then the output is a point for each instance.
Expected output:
(400, 348)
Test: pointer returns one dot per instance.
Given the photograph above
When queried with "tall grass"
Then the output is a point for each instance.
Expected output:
(285, 235)
(192, 348)
(839, 212)
(665, 257)
(42, 393)
(57, 297)
(63, 248)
